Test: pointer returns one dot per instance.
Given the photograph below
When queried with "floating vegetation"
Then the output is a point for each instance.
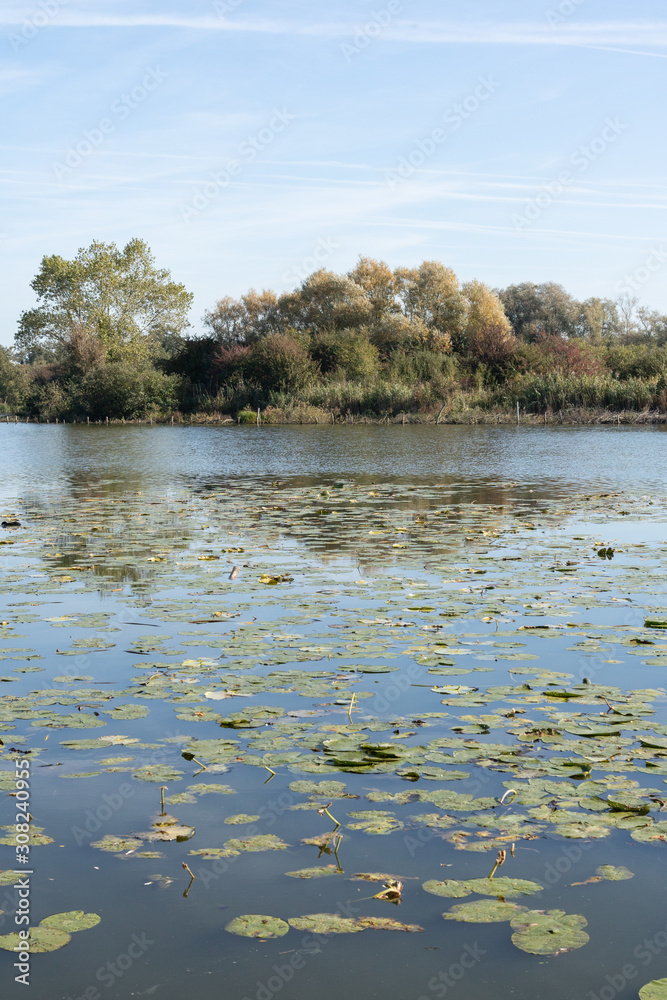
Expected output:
(452, 672)
(655, 990)
(316, 872)
(614, 874)
(258, 926)
(510, 888)
(483, 911)
(334, 923)
(548, 932)
(51, 934)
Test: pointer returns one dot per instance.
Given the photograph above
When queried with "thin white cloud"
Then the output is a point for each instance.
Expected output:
(18, 78)
(603, 34)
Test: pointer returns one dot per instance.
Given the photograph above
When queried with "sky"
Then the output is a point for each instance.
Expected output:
(249, 143)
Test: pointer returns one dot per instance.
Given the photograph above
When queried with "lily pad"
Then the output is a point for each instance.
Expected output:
(612, 874)
(328, 789)
(549, 932)
(507, 887)
(655, 990)
(326, 923)
(41, 939)
(387, 924)
(117, 845)
(316, 872)
(74, 920)
(375, 877)
(265, 842)
(256, 925)
(483, 911)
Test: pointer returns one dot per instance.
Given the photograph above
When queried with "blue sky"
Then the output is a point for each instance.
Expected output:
(249, 142)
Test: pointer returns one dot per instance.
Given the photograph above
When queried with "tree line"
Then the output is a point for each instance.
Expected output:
(109, 336)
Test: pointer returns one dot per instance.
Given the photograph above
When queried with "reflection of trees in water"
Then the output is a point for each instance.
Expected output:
(321, 524)
(109, 529)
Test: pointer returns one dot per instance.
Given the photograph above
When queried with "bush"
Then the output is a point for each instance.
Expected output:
(422, 366)
(246, 417)
(48, 400)
(279, 363)
(347, 355)
(637, 361)
(14, 384)
(119, 389)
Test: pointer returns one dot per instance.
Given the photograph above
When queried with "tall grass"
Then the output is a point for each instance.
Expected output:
(557, 391)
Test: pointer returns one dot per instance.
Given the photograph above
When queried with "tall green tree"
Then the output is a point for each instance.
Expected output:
(117, 298)
(540, 310)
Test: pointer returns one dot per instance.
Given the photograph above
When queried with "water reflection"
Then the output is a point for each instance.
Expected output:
(122, 500)
(77, 459)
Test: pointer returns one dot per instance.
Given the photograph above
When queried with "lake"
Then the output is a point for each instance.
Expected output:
(339, 675)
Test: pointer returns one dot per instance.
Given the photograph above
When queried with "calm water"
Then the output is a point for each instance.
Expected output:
(418, 550)
(553, 460)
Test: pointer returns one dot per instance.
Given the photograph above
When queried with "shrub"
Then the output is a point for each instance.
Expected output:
(119, 389)
(278, 362)
(348, 355)
(247, 417)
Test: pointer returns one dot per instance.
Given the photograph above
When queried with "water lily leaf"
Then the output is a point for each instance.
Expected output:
(116, 845)
(549, 932)
(326, 923)
(240, 819)
(483, 911)
(655, 990)
(447, 887)
(581, 831)
(315, 872)
(374, 821)
(74, 920)
(168, 832)
(42, 939)
(207, 788)
(160, 774)
(258, 926)
(387, 924)
(507, 887)
(327, 789)
(127, 712)
(265, 842)
(35, 835)
(612, 874)
(375, 877)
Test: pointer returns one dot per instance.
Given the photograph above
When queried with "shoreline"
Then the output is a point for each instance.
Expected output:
(308, 415)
